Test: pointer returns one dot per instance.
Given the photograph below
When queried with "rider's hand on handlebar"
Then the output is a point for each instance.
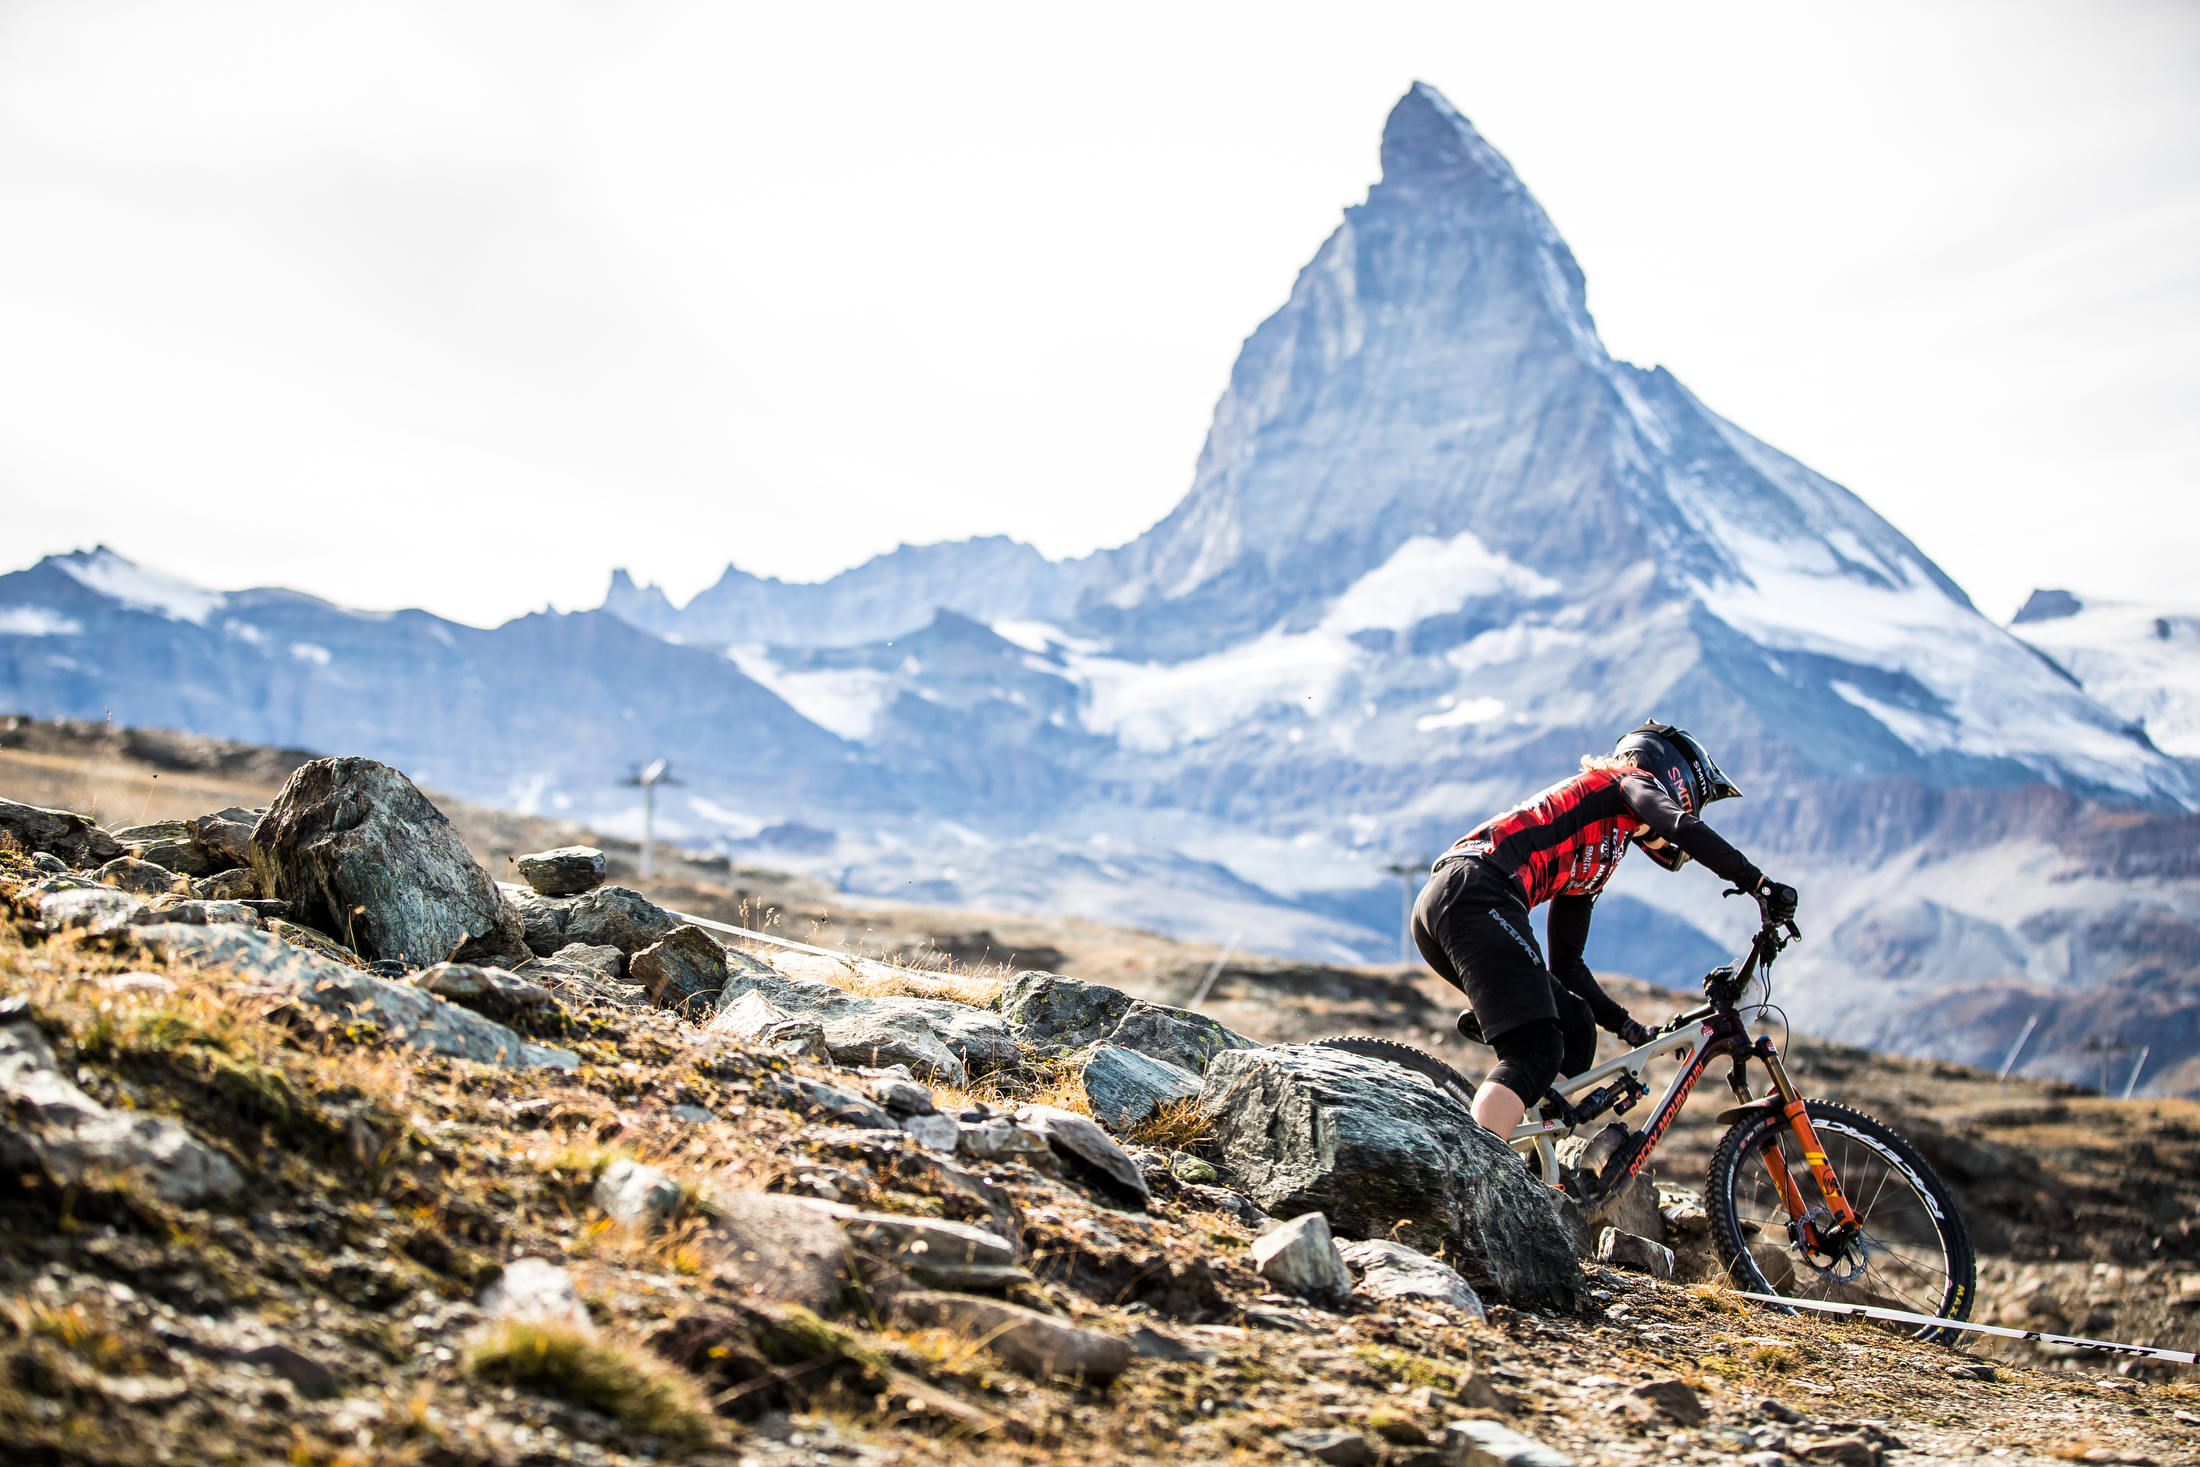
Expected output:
(1635, 1035)
(1775, 901)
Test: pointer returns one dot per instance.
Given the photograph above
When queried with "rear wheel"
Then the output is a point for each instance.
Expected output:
(1909, 1252)
(1443, 1076)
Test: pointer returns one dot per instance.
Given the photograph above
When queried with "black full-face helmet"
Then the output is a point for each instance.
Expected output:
(1689, 774)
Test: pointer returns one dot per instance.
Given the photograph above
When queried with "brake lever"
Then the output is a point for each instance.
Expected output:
(1795, 933)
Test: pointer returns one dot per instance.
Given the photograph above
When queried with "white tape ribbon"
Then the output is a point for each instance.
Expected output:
(1899, 1316)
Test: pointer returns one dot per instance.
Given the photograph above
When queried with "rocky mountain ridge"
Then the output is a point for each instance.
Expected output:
(1438, 545)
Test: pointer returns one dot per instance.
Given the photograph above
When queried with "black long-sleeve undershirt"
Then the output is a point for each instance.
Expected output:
(1566, 934)
(1648, 802)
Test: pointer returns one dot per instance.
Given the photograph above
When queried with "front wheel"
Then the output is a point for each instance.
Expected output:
(1909, 1251)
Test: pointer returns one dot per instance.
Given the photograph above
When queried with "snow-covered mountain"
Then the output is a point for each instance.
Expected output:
(1439, 544)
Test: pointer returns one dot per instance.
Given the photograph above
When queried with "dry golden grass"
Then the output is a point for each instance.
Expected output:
(870, 978)
(1175, 1125)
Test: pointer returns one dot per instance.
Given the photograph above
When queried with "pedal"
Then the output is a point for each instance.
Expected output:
(1470, 1028)
(1602, 1147)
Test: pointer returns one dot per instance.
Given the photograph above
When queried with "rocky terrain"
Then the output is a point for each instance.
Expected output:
(324, 1146)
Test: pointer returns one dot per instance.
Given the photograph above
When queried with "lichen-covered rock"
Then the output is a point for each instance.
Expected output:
(565, 871)
(616, 916)
(1038, 1344)
(360, 853)
(1126, 1087)
(58, 832)
(95, 910)
(781, 1250)
(630, 1192)
(234, 885)
(1301, 1258)
(936, 1039)
(201, 913)
(1052, 1013)
(224, 838)
(581, 982)
(862, 1036)
(1393, 1271)
(490, 991)
(1176, 1036)
(1080, 1141)
(404, 1014)
(685, 969)
(1301, 1128)
(57, 1128)
(141, 878)
(605, 959)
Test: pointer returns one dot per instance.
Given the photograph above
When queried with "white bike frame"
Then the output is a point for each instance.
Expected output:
(1538, 1137)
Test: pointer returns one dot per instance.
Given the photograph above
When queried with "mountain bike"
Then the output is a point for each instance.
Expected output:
(1807, 1199)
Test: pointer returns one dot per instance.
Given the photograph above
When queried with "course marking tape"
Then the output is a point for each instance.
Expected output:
(1899, 1316)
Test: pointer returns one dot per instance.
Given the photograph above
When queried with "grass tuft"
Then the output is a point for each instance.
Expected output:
(1175, 1125)
(614, 1377)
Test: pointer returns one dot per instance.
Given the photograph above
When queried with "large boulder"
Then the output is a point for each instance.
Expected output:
(405, 1014)
(1377, 1148)
(54, 1127)
(73, 838)
(361, 854)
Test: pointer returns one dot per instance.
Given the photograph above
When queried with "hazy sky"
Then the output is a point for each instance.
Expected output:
(461, 305)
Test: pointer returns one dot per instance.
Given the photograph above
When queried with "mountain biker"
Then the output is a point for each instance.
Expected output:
(1471, 921)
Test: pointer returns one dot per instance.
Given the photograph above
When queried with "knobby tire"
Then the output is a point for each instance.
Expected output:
(1736, 1170)
(1443, 1076)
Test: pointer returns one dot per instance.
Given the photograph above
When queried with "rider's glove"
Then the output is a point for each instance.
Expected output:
(1775, 901)
(1635, 1035)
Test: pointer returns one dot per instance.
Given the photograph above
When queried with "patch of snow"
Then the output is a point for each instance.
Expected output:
(1998, 699)
(36, 621)
(309, 652)
(2142, 660)
(1152, 707)
(846, 700)
(1428, 577)
(141, 589)
(244, 632)
(1474, 710)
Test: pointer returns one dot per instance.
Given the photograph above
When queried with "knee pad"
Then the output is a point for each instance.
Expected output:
(1578, 1026)
(1528, 1058)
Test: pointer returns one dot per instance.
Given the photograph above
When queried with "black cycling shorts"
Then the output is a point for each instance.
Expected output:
(1471, 926)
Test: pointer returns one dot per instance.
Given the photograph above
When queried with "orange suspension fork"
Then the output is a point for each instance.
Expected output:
(1814, 1154)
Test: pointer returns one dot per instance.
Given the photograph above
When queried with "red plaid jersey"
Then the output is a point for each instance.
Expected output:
(1565, 842)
